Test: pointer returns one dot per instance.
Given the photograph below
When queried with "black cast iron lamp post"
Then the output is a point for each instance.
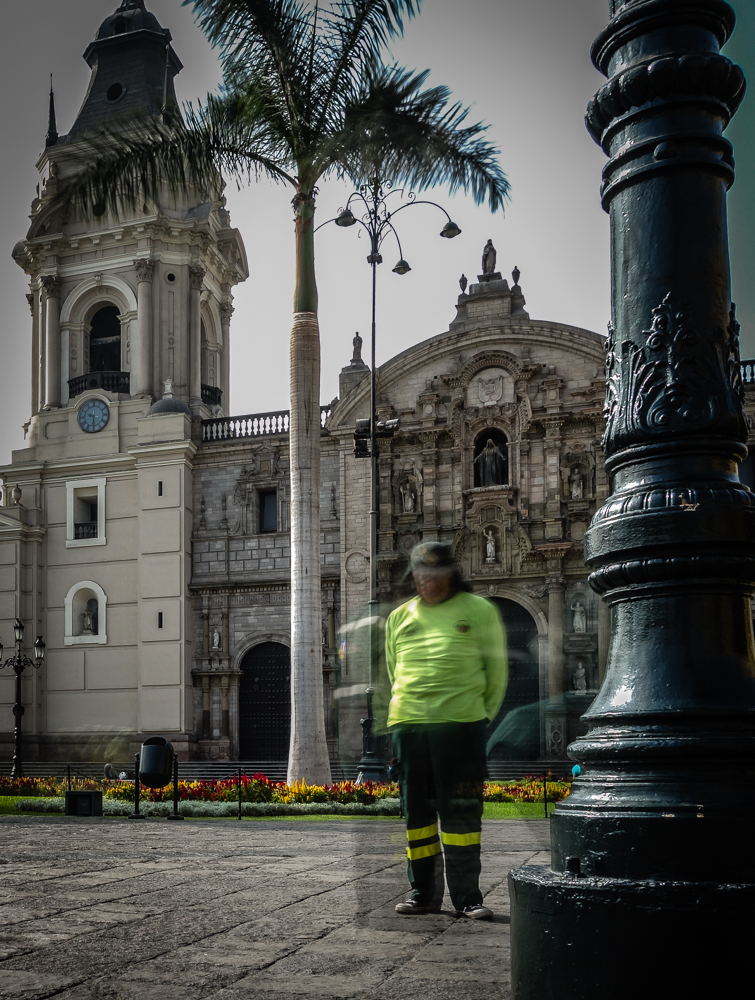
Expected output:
(377, 222)
(19, 663)
(647, 895)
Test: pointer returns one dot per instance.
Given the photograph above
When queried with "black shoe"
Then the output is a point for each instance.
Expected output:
(476, 912)
(412, 906)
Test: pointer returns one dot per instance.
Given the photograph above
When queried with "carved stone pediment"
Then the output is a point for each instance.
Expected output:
(483, 496)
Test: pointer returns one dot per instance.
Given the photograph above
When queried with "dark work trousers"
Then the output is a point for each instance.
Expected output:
(441, 773)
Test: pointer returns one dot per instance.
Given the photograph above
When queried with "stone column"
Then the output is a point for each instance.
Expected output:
(145, 270)
(52, 285)
(555, 636)
(205, 633)
(224, 682)
(233, 714)
(205, 708)
(196, 277)
(224, 381)
(226, 630)
(31, 299)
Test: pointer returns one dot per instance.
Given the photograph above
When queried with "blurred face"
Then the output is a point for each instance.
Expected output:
(433, 586)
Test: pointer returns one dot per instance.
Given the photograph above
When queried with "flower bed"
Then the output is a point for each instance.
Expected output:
(259, 788)
(49, 787)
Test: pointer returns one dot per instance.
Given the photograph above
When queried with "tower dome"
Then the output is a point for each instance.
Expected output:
(132, 15)
(133, 65)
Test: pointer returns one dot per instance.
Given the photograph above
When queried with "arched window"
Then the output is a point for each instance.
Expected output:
(491, 458)
(85, 614)
(105, 340)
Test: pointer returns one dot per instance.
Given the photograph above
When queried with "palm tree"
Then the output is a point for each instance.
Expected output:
(306, 94)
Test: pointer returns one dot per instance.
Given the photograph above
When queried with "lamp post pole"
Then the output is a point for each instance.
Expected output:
(642, 861)
(377, 222)
(19, 663)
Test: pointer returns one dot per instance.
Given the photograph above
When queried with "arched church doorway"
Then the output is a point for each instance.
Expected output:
(515, 732)
(265, 703)
(491, 458)
(105, 340)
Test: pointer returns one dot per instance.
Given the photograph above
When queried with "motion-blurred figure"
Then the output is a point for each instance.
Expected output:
(446, 661)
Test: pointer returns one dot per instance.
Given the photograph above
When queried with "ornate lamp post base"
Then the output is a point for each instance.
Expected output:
(645, 896)
(594, 938)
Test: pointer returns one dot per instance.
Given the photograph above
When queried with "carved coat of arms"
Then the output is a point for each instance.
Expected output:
(490, 389)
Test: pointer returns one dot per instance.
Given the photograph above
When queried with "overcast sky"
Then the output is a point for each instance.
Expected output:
(523, 66)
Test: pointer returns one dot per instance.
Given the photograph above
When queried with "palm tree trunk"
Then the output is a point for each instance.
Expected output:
(308, 755)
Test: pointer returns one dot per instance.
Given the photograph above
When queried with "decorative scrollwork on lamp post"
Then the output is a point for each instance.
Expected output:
(18, 663)
(641, 848)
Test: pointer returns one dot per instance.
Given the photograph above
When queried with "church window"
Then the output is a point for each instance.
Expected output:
(159, 487)
(115, 92)
(491, 459)
(85, 512)
(85, 614)
(159, 619)
(105, 340)
(170, 278)
(268, 510)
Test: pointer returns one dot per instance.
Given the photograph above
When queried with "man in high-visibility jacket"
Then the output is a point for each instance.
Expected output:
(446, 659)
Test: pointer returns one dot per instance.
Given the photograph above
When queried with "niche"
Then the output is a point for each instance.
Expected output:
(491, 458)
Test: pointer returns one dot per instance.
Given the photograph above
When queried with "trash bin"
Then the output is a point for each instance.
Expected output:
(156, 762)
(83, 804)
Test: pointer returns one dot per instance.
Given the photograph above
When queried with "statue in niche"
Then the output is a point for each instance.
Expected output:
(575, 485)
(488, 258)
(356, 357)
(216, 640)
(492, 463)
(407, 498)
(490, 546)
(579, 616)
(579, 680)
(88, 619)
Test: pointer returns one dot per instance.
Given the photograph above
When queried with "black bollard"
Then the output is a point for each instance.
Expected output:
(642, 859)
(545, 794)
(239, 785)
(68, 772)
(175, 789)
(137, 790)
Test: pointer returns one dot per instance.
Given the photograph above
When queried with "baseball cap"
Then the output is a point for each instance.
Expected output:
(431, 556)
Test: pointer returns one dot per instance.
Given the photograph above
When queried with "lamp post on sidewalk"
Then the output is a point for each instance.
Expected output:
(642, 860)
(19, 663)
(376, 218)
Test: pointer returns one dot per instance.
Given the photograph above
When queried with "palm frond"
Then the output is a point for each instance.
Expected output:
(266, 39)
(122, 169)
(394, 129)
(355, 33)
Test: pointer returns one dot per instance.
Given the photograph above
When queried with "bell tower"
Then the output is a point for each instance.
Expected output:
(120, 304)
(130, 349)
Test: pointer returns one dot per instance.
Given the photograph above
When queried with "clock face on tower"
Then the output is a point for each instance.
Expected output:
(93, 416)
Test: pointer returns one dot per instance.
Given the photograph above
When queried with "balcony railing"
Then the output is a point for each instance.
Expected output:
(748, 371)
(110, 381)
(251, 425)
(212, 395)
(85, 529)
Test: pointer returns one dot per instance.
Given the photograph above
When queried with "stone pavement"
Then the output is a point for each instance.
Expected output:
(222, 910)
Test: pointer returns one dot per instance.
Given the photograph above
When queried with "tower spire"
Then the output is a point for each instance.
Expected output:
(52, 129)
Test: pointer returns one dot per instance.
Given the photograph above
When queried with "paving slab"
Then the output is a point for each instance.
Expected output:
(94, 909)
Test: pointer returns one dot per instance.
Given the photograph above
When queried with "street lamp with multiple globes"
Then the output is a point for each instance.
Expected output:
(19, 663)
(377, 220)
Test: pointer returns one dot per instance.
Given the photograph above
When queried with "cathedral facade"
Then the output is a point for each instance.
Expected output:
(145, 529)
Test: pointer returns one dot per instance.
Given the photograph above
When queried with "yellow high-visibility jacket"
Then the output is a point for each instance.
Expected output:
(446, 662)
